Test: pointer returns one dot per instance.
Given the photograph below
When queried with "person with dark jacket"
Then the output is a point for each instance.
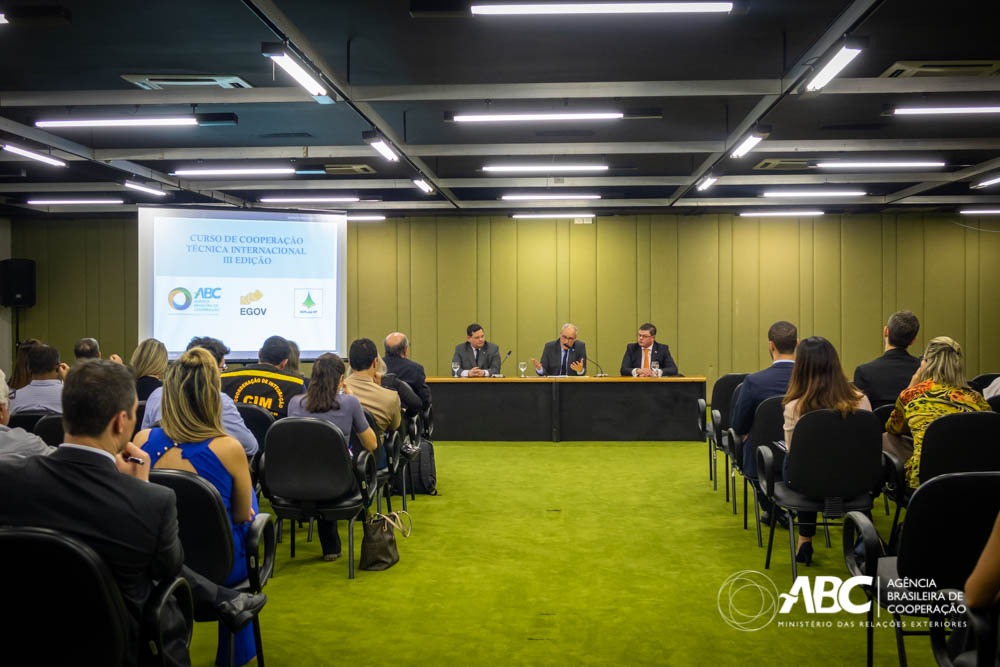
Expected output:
(883, 378)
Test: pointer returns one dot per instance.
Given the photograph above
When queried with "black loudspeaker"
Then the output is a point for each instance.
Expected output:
(17, 283)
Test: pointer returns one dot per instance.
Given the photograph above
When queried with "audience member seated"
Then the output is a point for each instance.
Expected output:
(782, 337)
(882, 379)
(16, 443)
(382, 403)
(191, 438)
(818, 383)
(88, 348)
(21, 374)
(409, 402)
(149, 363)
(294, 360)
(266, 384)
(397, 360)
(324, 400)
(44, 392)
(937, 388)
(232, 422)
(982, 588)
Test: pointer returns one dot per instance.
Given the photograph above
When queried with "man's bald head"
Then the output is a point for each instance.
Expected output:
(396, 344)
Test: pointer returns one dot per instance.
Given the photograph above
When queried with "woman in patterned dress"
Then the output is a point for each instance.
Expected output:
(938, 388)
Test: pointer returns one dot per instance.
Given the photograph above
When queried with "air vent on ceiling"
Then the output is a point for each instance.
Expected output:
(912, 68)
(172, 81)
(782, 164)
(347, 169)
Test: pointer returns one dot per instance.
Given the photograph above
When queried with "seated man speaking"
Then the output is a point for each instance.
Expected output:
(563, 356)
(640, 357)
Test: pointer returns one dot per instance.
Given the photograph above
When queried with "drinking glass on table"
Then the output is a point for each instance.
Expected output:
(522, 366)
(454, 368)
(655, 367)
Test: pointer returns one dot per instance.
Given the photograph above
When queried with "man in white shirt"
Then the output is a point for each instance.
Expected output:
(44, 392)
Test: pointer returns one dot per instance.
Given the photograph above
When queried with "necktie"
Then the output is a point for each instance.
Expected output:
(562, 365)
(645, 357)
(475, 356)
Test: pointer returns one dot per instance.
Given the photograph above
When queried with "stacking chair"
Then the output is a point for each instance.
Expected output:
(50, 429)
(836, 465)
(310, 474)
(982, 381)
(768, 426)
(27, 419)
(707, 434)
(889, 486)
(959, 442)
(258, 420)
(140, 411)
(722, 401)
(982, 636)
(948, 521)
(994, 402)
(207, 536)
(53, 575)
(393, 443)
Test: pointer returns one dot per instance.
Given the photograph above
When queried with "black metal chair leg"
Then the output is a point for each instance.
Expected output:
(791, 540)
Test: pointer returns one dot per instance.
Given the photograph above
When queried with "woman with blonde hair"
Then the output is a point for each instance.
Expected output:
(191, 438)
(818, 383)
(149, 363)
(938, 388)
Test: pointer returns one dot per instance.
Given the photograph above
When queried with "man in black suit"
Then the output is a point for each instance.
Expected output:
(476, 357)
(96, 487)
(639, 357)
(397, 361)
(883, 378)
(782, 339)
(564, 356)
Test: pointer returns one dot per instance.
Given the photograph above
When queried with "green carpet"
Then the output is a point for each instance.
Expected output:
(555, 554)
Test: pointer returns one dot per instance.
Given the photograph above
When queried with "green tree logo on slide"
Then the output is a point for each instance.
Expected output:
(308, 303)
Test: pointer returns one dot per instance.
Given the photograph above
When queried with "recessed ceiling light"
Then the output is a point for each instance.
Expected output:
(815, 193)
(944, 111)
(901, 164)
(254, 171)
(24, 152)
(306, 200)
(131, 185)
(528, 117)
(552, 216)
(72, 202)
(568, 196)
(780, 214)
(503, 9)
(543, 168)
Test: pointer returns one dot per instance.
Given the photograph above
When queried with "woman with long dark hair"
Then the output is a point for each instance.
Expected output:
(325, 399)
(818, 383)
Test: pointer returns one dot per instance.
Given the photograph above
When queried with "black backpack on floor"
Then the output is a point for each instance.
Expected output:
(422, 472)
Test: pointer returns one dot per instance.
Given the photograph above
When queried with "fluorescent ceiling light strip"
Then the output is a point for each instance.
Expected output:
(602, 8)
(521, 117)
(385, 150)
(551, 216)
(142, 188)
(987, 183)
(780, 214)
(878, 165)
(547, 197)
(747, 145)
(365, 218)
(72, 202)
(34, 156)
(260, 171)
(939, 111)
(981, 211)
(120, 122)
(815, 193)
(306, 200)
(843, 58)
(543, 168)
(3, 19)
(423, 185)
(706, 183)
(297, 72)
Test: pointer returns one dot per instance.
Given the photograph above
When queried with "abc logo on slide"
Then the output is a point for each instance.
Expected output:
(179, 298)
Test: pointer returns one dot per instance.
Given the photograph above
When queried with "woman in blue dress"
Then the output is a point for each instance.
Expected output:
(191, 438)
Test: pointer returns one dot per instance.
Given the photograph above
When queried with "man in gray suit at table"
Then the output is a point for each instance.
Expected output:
(564, 356)
(477, 357)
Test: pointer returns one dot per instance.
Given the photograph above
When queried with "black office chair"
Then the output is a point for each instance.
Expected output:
(206, 533)
(994, 402)
(140, 412)
(50, 429)
(983, 380)
(258, 420)
(707, 432)
(959, 442)
(722, 401)
(882, 412)
(310, 474)
(835, 463)
(27, 419)
(768, 426)
(49, 573)
(948, 521)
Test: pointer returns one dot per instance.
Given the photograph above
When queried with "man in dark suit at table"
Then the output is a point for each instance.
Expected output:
(639, 357)
(564, 356)
(476, 357)
(883, 378)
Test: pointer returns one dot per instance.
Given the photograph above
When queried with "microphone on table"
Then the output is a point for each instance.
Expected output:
(601, 373)
(506, 356)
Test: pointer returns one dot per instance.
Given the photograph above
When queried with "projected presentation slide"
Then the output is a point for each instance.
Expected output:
(241, 277)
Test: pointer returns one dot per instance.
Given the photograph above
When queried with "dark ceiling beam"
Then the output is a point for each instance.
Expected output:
(955, 176)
